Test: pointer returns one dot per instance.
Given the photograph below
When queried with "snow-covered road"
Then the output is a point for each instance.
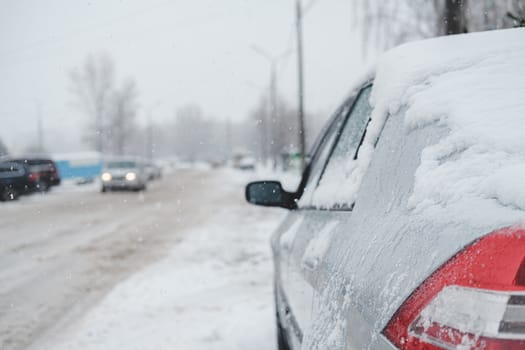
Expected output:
(185, 265)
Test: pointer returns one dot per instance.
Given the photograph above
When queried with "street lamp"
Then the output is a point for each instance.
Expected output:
(272, 94)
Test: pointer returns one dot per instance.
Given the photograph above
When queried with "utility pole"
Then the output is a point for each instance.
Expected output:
(40, 131)
(300, 89)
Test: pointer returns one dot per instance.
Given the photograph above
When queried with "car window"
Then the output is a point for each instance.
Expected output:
(322, 152)
(343, 155)
(42, 167)
(10, 169)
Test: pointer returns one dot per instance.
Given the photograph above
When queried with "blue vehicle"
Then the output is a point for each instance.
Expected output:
(83, 167)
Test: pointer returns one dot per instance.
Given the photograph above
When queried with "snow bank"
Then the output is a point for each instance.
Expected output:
(474, 85)
(214, 290)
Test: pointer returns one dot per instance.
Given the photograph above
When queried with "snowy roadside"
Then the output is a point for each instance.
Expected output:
(213, 291)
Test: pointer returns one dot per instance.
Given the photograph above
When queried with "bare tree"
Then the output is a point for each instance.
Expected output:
(260, 118)
(193, 133)
(454, 17)
(519, 20)
(121, 117)
(285, 129)
(92, 86)
(495, 14)
(275, 132)
(385, 24)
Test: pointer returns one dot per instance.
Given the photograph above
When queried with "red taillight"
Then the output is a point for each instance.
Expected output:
(33, 176)
(475, 301)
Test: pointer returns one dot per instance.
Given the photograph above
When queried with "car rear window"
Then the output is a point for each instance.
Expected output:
(42, 167)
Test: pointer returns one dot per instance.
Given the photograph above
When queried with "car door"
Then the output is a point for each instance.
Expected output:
(283, 240)
(317, 219)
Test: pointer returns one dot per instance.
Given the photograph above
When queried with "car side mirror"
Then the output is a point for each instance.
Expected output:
(269, 194)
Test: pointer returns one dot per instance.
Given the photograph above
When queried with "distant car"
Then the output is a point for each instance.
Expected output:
(153, 171)
(43, 170)
(247, 163)
(15, 180)
(408, 228)
(243, 161)
(124, 174)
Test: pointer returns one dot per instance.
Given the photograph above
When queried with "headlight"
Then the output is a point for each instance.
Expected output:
(131, 176)
(106, 177)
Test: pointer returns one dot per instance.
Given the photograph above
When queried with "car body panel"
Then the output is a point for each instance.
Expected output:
(44, 169)
(377, 257)
(14, 180)
(369, 260)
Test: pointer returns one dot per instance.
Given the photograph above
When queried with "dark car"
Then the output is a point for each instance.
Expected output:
(408, 229)
(44, 172)
(15, 180)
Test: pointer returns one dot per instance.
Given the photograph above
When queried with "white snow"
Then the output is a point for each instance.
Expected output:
(214, 291)
(287, 238)
(474, 85)
(318, 246)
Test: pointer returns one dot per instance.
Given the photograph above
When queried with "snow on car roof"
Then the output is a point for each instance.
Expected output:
(475, 85)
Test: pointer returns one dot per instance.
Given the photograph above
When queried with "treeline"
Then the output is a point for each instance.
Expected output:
(268, 133)
(191, 135)
(110, 107)
(385, 24)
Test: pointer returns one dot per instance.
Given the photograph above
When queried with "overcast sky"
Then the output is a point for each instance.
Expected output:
(179, 52)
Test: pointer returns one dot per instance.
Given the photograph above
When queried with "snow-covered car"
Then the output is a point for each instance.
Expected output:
(124, 174)
(407, 229)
